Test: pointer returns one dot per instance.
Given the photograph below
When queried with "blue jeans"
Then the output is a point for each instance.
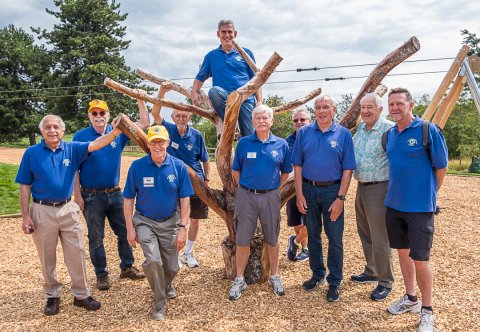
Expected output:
(97, 206)
(218, 97)
(319, 200)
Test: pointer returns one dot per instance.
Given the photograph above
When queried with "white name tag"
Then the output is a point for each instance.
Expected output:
(251, 155)
(148, 181)
(174, 145)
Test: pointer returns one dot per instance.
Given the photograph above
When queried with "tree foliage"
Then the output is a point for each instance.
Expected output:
(86, 46)
(23, 68)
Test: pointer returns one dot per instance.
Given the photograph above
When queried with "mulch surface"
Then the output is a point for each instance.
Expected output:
(202, 304)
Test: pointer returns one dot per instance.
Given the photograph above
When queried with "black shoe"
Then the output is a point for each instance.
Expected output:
(312, 283)
(333, 293)
(363, 278)
(380, 293)
(292, 247)
(52, 307)
(89, 303)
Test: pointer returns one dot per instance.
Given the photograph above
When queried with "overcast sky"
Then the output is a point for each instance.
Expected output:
(170, 38)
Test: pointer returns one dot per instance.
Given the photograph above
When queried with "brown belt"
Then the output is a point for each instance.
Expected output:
(373, 182)
(104, 190)
(54, 204)
(321, 184)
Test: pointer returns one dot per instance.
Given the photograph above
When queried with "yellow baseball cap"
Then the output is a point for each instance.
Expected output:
(97, 103)
(157, 132)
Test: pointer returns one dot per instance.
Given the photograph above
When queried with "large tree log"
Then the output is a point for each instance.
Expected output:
(396, 57)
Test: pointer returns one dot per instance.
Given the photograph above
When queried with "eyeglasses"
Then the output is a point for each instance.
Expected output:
(301, 120)
(159, 143)
(95, 113)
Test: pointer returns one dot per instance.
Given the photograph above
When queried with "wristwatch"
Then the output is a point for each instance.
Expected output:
(341, 197)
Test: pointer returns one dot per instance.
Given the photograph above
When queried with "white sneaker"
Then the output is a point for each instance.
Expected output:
(180, 264)
(236, 290)
(190, 260)
(426, 321)
(276, 283)
(403, 305)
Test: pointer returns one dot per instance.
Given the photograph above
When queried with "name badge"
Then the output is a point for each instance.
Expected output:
(174, 145)
(148, 181)
(251, 155)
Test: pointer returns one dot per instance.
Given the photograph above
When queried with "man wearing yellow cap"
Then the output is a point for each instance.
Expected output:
(157, 182)
(99, 196)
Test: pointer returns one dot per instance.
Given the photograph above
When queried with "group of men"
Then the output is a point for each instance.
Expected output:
(398, 177)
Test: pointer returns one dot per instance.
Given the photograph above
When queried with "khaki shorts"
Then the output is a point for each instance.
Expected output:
(249, 207)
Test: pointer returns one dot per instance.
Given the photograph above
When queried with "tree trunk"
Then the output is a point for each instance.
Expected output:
(32, 139)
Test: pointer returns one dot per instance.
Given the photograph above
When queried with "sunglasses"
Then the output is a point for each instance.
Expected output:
(95, 113)
(301, 120)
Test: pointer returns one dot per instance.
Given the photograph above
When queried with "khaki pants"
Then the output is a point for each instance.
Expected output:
(52, 223)
(372, 229)
(159, 244)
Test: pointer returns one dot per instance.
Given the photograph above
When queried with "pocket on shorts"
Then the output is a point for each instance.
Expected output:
(428, 231)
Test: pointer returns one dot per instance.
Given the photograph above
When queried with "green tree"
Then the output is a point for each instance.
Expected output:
(23, 68)
(343, 105)
(86, 46)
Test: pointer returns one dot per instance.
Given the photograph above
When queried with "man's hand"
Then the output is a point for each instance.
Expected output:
(336, 209)
(196, 98)
(132, 237)
(302, 204)
(79, 200)
(181, 238)
(27, 225)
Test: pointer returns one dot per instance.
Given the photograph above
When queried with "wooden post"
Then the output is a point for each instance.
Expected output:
(452, 98)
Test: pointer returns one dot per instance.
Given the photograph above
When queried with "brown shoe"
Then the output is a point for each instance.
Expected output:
(103, 283)
(52, 307)
(89, 303)
(132, 273)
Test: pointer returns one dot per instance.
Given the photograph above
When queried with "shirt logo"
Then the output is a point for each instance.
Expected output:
(274, 153)
(333, 144)
(171, 178)
(189, 147)
(148, 181)
(174, 145)
(412, 142)
(238, 58)
(113, 144)
(251, 155)
(66, 162)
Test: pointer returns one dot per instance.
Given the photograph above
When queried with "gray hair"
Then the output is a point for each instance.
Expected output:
(327, 98)
(377, 98)
(226, 22)
(59, 119)
(301, 110)
(263, 109)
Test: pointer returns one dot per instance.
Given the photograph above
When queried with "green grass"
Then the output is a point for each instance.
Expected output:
(23, 143)
(9, 190)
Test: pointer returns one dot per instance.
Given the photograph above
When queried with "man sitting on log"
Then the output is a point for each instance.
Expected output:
(323, 159)
(261, 166)
(295, 219)
(188, 145)
(229, 71)
(158, 181)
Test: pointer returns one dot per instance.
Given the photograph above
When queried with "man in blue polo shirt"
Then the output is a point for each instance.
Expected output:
(46, 173)
(155, 184)
(323, 159)
(229, 71)
(416, 174)
(100, 196)
(188, 145)
(261, 166)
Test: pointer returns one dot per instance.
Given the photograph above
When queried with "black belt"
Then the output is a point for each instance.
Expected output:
(161, 220)
(321, 184)
(372, 182)
(257, 191)
(104, 190)
(54, 204)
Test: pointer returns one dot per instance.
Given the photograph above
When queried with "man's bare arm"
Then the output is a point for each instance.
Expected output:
(27, 223)
(440, 174)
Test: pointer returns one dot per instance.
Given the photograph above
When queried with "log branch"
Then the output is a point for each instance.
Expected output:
(245, 56)
(396, 57)
(132, 131)
(297, 103)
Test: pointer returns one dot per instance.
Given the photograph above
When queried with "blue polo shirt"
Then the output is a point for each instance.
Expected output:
(51, 173)
(157, 189)
(324, 155)
(228, 70)
(260, 163)
(190, 148)
(413, 184)
(102, 169)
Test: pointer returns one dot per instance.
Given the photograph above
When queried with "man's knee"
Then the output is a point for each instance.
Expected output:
(217, 92)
